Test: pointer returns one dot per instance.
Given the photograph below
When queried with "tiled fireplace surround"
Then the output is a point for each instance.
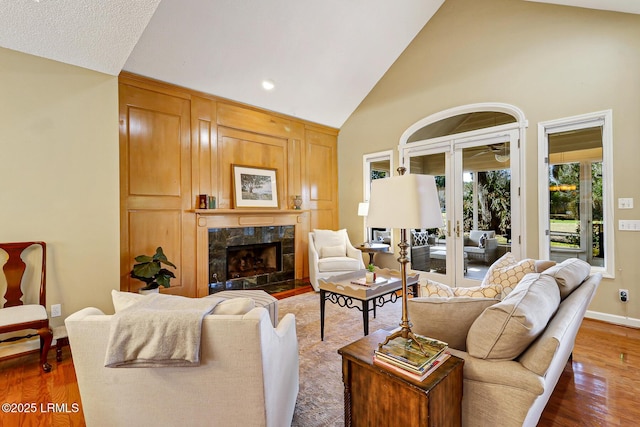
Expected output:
(219, 228)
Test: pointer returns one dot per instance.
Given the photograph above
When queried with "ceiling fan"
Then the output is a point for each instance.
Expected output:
(500, 152)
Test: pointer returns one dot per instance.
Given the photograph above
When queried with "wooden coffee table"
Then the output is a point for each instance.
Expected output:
(339, 290)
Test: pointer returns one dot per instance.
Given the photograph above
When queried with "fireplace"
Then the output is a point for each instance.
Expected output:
(250, 257)
(251, 260)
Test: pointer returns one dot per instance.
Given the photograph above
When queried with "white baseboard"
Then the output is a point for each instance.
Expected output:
(612, 318)
(18, 347)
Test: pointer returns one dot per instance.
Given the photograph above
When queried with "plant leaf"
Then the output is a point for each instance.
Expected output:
(147, 269)
(160, 256)
(143, 258)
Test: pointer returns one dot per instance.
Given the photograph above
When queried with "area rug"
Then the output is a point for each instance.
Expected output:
(321, 399)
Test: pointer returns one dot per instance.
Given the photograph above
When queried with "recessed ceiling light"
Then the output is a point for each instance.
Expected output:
(268, 84)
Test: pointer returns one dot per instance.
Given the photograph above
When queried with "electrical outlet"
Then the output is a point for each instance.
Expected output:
(56, 310)
(623, 294)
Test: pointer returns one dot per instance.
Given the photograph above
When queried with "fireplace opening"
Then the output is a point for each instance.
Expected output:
(253, 259)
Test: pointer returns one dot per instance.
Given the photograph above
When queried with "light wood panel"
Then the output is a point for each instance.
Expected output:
(156, 183)
(205, 145)
(321, 160)
(249, 149)
(177, 143)
(238, 117)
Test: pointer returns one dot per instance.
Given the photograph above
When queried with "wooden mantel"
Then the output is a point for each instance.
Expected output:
(234, 218)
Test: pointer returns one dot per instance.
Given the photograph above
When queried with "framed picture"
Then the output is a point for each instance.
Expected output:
(254, 187)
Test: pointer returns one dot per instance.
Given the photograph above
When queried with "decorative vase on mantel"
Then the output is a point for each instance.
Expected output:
(297, 202)
(144, 291)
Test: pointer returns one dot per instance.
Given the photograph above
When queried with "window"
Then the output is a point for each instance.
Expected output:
(376, 166)
(575, 198)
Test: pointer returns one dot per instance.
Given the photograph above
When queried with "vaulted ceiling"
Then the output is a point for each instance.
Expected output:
(324, 56)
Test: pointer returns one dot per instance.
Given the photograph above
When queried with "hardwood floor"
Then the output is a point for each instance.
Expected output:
(600, 387)
(597, 389)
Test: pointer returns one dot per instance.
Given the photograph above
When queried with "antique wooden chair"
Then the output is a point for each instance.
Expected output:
(15, 314)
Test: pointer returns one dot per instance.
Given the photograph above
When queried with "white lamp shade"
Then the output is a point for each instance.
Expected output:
(363, 209)
(404, 201)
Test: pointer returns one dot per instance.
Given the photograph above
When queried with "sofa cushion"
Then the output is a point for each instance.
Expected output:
(569, 274)
(508, 271)
(447, 319)
(122, 300)
(504, 330)
(338, 264)
(333, 251)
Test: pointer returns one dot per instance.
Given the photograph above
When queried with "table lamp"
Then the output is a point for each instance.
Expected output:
(363, 210)
(404, 202)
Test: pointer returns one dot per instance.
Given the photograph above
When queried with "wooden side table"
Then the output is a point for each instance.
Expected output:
(374, 396)
(374, 248)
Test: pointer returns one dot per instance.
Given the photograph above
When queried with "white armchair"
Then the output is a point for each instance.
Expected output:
(331, 253)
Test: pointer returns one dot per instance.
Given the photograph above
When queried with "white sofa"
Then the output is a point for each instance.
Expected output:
(330, 254)
(515, 349)
(248, 376)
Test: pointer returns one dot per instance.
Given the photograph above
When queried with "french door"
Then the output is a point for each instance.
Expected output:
(477, 177)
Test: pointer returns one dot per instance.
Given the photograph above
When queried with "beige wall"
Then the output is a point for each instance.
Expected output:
(59, 175)
(551, 62)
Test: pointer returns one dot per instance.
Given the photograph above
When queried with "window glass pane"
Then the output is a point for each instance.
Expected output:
(576, 216)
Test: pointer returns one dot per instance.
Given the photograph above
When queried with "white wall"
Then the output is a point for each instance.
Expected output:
(59, 175)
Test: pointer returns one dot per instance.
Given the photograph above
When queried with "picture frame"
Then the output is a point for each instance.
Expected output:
(254, 187)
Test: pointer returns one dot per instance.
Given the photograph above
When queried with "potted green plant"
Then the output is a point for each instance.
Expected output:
(370, 275)
(149, 270)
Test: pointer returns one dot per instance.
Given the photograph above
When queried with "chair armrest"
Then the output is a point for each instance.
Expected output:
(491, 244)
(85, 312)
(507, 373)
(353, 252)
(313, 253)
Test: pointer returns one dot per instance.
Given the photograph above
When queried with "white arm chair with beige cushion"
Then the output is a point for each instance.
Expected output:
(331, 253)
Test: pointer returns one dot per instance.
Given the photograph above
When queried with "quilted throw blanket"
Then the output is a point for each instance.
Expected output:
(158, 331)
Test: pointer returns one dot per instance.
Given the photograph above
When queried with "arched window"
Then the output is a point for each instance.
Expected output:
(474, 153)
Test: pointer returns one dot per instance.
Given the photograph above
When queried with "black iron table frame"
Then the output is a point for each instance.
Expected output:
(348, 302)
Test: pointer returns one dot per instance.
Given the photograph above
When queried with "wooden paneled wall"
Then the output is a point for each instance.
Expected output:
(176, 143)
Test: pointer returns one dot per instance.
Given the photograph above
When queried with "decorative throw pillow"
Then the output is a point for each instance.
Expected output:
(490, 291)
(324, 238)
(420, 238)
(569, 274)
(482, 241)
(504, 330)
(447, 319)
(333, 251)
(507, 271)
(431, 288)
(122, 300)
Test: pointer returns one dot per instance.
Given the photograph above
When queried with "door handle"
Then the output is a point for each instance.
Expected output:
(457, 228)
(448, 228)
